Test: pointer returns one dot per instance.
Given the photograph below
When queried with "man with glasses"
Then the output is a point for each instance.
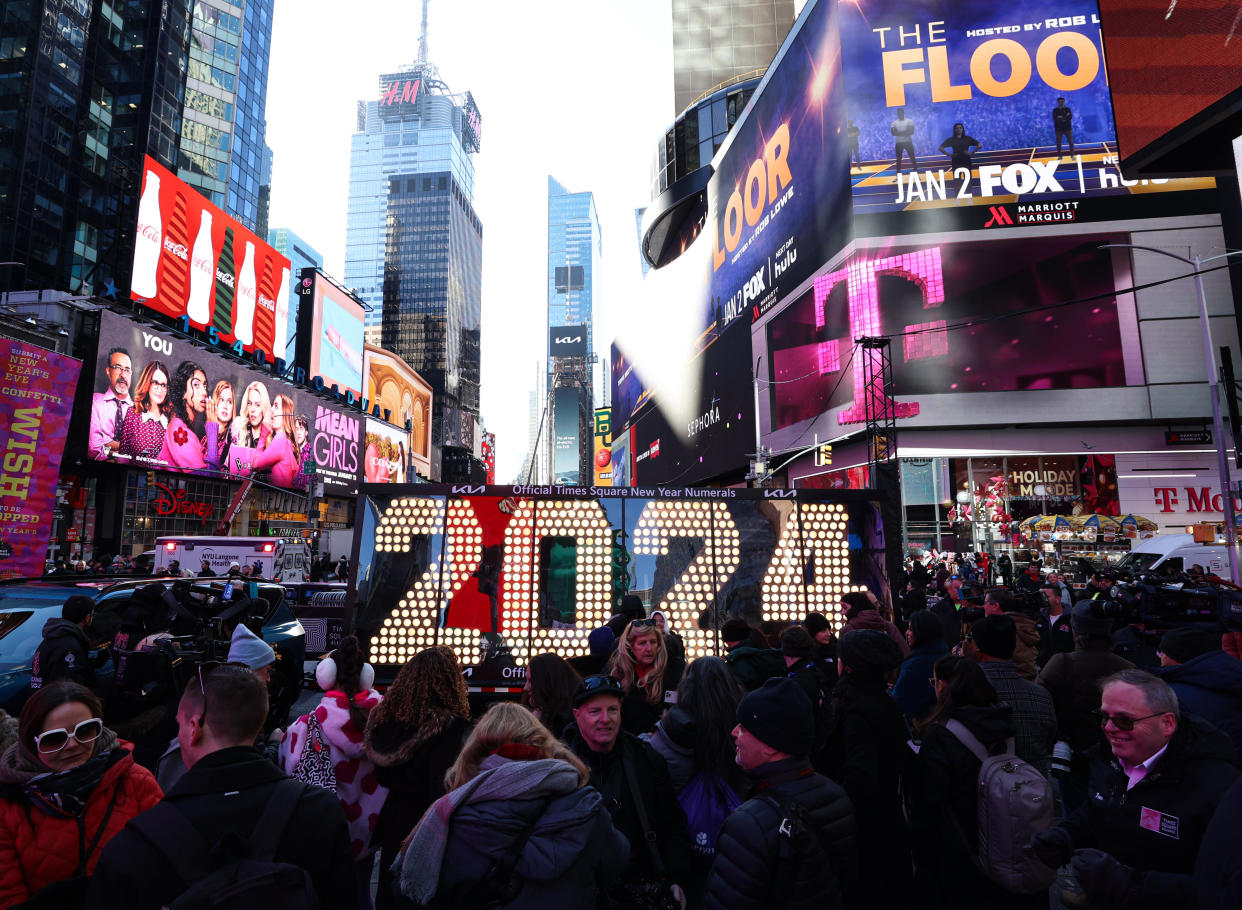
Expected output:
(635, 784)
(230, 796)
(1153, 788)
(108, 408)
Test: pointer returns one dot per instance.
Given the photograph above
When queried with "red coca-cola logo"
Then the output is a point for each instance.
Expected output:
(174, 502)
(203, 265)
(150, 231)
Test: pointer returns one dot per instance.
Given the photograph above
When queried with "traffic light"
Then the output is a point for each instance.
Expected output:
(823, 456)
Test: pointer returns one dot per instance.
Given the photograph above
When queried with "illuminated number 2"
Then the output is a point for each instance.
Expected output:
(715, 564)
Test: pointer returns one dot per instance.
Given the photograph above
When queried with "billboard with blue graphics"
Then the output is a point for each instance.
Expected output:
(973, 113)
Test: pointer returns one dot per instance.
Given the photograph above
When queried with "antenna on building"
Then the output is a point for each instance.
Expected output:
(422, 35)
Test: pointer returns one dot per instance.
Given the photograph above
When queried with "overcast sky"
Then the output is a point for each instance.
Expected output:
(581, 91)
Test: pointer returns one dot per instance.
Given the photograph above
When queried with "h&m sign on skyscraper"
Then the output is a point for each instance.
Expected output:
(400, 92)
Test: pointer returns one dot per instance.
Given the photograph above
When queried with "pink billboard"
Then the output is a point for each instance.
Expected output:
(36, 399)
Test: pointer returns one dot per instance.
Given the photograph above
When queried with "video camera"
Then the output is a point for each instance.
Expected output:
(1165, 603)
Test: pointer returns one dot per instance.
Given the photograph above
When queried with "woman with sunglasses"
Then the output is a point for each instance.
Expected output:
(642, 664)
(67, 787)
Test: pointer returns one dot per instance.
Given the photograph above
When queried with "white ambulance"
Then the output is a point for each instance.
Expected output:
(279, 559)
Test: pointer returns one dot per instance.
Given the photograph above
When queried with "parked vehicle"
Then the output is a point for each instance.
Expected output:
(279, 559)
(1173, 554)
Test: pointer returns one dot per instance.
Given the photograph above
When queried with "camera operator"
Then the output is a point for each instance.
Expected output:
(1073, 681)
(1058, 636)
(1030, 625)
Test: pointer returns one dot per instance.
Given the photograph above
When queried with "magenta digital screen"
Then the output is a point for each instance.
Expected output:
(975, 317)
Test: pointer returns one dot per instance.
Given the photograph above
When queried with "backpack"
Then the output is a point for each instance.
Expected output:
(254, 880)
(314, 766)
(1014, 804)
(795, 836)
(707, 801)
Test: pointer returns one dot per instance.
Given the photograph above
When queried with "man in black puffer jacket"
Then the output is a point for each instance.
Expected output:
(64, 652)
(791, 845)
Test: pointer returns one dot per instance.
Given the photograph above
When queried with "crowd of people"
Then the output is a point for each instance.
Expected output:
(870, 763)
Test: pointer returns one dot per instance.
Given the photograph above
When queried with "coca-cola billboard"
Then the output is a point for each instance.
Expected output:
(192, 260)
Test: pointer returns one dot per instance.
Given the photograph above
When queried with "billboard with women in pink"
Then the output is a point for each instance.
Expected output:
(36, 399)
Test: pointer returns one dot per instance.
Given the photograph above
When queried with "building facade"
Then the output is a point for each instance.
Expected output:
(574, 250)
(302, 256)
(224, 153)
(720, 40)
(83, 102)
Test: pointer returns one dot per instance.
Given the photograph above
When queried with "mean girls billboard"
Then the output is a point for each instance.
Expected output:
(161, 402)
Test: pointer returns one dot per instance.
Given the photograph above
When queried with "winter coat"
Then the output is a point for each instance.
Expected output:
(1131, 645)
(663, 811)
(1073, 680)
(1218, 869)
(360, 792)
(1156, 827)
(866, 755)
(573, 847)
(1210, 686)
(944, 811)
(754, 666)
(673, 739)
(945, 610)
(1034, 717)
(222, 798)
(914, 695)
(871, 619)
(748, 873)
(1026, 651)
(40, 845)
(64, 653)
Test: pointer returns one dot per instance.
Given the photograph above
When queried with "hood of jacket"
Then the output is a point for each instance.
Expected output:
(57, 627)
(933, 649)
(678, 726)
(1028, 630)
(1215, 671)
(866, 619)
(990, 725)
(562, 830)
(389, 743)
(338, 727)
(19, 763)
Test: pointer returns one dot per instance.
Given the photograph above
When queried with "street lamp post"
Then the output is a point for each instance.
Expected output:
(1218, 426)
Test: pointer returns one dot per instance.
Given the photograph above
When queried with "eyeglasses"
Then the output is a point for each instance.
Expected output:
(54, 740)
(1123, 722)
(155, 383)
(124, 371)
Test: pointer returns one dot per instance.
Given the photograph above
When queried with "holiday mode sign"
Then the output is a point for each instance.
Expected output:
(193, 260)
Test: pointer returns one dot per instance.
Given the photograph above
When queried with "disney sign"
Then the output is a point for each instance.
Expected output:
(174, 502)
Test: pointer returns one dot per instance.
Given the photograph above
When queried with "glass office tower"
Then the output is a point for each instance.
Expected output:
(718, 41)
(574, 249)
(303, 256)
(224, 134)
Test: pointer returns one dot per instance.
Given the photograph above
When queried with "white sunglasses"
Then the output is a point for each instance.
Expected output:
(51, 741)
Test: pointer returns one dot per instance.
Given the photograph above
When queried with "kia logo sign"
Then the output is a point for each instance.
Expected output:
(468, 490)
(780, 494)
(567, 341)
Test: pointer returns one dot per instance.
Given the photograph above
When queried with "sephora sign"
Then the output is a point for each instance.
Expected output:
(192, 260)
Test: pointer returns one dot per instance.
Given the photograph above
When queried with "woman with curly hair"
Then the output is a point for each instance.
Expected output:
(641, 662)
(412, 738)
(549, 692)
(341, 718)
(520, 813)
(183, 447)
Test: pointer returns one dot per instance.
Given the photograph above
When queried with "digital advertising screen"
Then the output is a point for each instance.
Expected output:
(602, 451)
(331, 325)
(384, 455)
(160, 401)
(193, 260)
(36, 401)
(566, 439)
(969, 317)
(968, 114)
(541, 567)
(405, 396)
(567, 341)
(1175, 70)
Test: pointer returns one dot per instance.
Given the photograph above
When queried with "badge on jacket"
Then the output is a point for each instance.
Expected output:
(1154, 820)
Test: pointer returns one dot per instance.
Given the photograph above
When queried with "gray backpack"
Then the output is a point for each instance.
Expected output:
(1015, 804)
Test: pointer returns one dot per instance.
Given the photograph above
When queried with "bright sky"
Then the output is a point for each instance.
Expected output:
(581, 91)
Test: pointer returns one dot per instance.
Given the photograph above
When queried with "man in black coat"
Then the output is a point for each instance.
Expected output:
(596, 737)
(791, 845)
(1152, 792)
(222, 798)
(64, 652)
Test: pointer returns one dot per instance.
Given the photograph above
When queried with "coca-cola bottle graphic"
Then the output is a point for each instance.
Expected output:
(202, 273)
(175, 259)
(265, 311)
(246, 292)
(222, 318)
(281, 340)
(147, 241)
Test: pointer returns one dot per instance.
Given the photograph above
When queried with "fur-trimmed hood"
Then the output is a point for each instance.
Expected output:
(389, 742)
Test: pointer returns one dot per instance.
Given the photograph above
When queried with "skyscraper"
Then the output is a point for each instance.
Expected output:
(88, 90)
(224, 153)
(718, 40)
(574, 249)
(302, 256)
(414, 244)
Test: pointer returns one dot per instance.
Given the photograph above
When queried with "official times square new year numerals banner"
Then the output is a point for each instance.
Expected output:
(966, 92)
(36, 399)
